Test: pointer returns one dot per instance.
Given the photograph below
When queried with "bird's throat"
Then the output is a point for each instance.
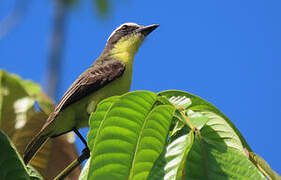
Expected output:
(126, 48)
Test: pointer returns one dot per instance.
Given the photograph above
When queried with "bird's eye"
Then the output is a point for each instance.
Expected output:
(125, 27)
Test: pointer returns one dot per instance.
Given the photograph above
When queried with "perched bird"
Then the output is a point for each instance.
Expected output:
(111, 74)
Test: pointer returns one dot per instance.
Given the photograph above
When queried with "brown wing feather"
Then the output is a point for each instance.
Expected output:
(91, 80)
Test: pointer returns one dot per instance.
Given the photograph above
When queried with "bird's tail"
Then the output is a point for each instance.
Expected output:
(34, 146)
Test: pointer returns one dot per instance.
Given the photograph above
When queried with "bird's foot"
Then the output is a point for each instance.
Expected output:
(86, 152)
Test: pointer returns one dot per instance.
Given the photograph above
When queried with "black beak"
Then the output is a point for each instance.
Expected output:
(147, 29)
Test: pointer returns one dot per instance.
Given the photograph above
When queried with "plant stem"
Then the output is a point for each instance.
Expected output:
(187, 120)
(85, 155)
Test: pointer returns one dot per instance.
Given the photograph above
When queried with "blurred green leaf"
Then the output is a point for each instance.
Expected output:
(11, 164)
(21, 122)
(69, 3)
(33, 173)
(102, 6)
(15, 103)
(31, 88)
(34, 90)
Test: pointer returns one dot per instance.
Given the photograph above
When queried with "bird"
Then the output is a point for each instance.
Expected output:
(110, 75)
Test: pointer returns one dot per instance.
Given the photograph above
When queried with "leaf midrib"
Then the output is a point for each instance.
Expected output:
(101, 124)
(137, 145)
(204, 155)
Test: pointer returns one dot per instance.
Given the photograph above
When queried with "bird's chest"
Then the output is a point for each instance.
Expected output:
(117, 87)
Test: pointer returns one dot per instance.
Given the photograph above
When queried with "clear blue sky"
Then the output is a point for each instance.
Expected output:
(228, 52)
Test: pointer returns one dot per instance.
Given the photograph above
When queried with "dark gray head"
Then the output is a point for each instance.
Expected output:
(125, 40)
(128, 31)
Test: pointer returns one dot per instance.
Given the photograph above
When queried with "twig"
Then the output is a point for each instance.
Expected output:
(85, 155)
(187, 120)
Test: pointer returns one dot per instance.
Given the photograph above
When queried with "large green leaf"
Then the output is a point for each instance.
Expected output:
(198, 103)
(176, 155)
(127, 135)
(157, 171)
(216, 161)
(97, 118)
(218, 131)
(193, 157)
(11, 164)
(216, 152)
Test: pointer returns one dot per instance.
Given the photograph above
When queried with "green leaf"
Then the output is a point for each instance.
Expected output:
(217, 151)
(218, 131)
(216, 161)
(198, 103)
(30, 87)
(197, 119)
(180, 101)
(130, 136)
(157, 171)
(176, 155)
(96, 118)
(11, 164)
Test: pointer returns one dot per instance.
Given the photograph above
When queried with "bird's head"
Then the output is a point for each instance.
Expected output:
(125, 40)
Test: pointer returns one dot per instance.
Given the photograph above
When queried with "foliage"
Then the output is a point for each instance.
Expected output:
(20, 120)
(171, 135)
(12, 166)
(127, 135)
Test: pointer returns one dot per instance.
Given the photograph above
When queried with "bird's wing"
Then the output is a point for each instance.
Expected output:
(94, 78)
(91, 80)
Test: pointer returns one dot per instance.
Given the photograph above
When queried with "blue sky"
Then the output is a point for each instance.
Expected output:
(227, 52)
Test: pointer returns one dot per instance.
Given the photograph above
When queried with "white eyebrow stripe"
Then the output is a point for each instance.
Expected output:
(129, 24)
